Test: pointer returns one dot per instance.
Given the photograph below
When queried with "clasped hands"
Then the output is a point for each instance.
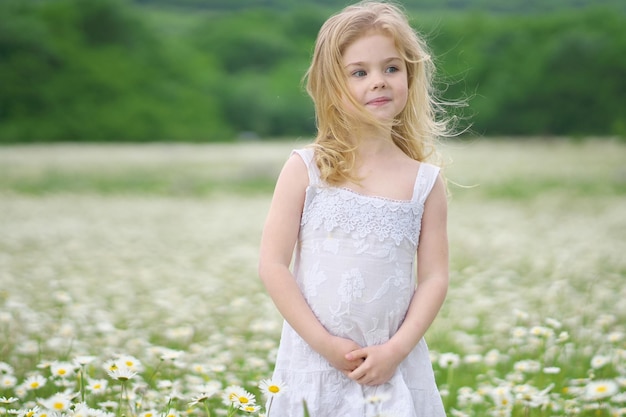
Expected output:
(371, 365)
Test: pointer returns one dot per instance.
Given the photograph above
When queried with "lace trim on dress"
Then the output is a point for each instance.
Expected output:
(361, 214)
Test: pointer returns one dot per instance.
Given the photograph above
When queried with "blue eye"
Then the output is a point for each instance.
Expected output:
(393, 69)
(359, 73)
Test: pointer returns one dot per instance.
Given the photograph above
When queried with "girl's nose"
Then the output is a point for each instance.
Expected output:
(378, 82)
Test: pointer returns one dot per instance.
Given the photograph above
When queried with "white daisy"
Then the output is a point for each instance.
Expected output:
(62, 369)
(271, 388)
(598, 361)
(250, 408)
(58, 402)
(237, 396)
(7, 381)
(596, 390)
(34, 382)
(449, 360)
(122, 374)
(5, 400)
(97, 386)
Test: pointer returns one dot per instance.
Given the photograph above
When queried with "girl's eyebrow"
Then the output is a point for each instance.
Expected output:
(384, 61)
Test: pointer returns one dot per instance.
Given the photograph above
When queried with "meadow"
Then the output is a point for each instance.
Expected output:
(128, 282)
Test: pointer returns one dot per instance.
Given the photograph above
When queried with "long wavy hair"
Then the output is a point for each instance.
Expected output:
(415, 130)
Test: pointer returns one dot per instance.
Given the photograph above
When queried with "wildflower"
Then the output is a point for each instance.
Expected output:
(467, 396)
(83, 410)
(521, 315)
(212, 386)
(598, 361)
(30, 412)
(200, 398)
(518, 333)
(530, 396)
(58, 402)
(502, 396)
(34, 382)
(62, 369)
(7, 381)
(171, 354)
(129, 362)
(121, 374)
(5, 400)
(271, 389)
(148, 413)
(108, 405)
(97, 386)
(84, 360)
(449, 360)
(596, 390)
(551, 370)
(235, 395)
(473, 358)
(541, 331)
(527, 366)
(555, 324)
(493, 357)
(563, 337)
(619, 398)
(615, 337)
(5, 368)
(198, 368)
(250, 408)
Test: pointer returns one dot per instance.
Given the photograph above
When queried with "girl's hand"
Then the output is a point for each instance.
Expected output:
(336, 352)
(379, 364)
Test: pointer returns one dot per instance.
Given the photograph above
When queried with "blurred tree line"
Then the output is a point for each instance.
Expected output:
(111, 70)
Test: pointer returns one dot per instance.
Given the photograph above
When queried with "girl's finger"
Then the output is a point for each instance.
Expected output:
(356, 354)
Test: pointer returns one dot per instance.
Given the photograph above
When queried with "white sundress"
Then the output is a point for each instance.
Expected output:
(354, 263)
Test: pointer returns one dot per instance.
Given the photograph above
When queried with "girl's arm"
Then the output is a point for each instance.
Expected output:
(277, 244)
(381, 361)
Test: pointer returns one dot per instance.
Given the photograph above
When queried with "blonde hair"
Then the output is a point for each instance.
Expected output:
(416, 128)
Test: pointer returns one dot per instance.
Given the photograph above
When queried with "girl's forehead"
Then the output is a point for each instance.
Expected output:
(370, 44)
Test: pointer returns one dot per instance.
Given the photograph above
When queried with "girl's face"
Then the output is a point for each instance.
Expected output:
(376, 75)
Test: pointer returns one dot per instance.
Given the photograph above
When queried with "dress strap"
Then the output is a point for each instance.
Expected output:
(426, 177)
(307, 156)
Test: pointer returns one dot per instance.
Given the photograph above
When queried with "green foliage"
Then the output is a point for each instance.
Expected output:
(110, 70)
(552, 75)
(81, 70)
(491, 6)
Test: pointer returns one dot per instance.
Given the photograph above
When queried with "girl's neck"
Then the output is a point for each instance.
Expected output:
(371, 143)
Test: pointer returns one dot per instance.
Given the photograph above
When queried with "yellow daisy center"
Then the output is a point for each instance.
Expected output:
(58, 406)
(273, 389)
(243, 400)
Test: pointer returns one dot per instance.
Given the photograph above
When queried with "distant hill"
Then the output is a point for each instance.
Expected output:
(491, 6)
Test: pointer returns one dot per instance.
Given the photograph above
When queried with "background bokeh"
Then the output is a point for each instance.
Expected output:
(211, 70)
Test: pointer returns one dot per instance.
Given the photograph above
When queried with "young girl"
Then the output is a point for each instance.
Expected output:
(359, 206)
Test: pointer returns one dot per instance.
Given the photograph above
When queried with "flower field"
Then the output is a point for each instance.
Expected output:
(128, 280)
